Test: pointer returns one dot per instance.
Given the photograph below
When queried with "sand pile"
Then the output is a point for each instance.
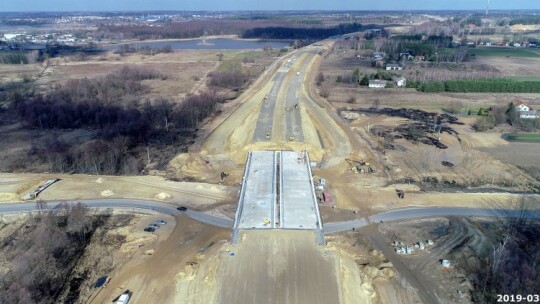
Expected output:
(107, 192)
(163, 196)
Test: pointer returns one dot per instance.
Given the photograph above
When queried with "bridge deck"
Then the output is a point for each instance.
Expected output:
(258, 196)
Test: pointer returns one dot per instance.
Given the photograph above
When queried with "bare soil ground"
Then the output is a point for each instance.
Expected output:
(73, 187)
(168, 267)
(512, 66)
(462, 241)
(522, 155)
(376, 272)
(288, 267)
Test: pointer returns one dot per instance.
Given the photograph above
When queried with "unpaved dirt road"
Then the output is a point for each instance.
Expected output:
(278, 267)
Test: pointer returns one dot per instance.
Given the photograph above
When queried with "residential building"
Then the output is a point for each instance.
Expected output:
(524, 111)
(521, 107)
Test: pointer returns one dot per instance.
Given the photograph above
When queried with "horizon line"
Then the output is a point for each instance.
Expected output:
(278, 10)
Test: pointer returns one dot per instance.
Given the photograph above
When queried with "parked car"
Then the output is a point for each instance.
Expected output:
(161, 222)
(182, 208)
(155, 226)
(149, 229)
(124, 298)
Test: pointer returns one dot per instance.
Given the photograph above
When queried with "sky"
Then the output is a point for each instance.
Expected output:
(224, 5)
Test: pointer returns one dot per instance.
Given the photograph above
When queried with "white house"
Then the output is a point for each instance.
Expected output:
(377, 83)
(524, 111)
(521, 107)
(393, 67)
(401, 82)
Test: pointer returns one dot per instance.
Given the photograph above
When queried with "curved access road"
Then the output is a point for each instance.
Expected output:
(124, 204)
(410, 213)
(331, 227)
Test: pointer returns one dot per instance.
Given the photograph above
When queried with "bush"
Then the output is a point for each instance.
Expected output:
(485, 123)
(324, 92)
(320, 79)
(454, 107)
(13, 58)
(351, 99)
(228, 80)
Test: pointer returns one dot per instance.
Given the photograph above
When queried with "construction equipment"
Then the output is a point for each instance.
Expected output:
(359, 166)
(266, 221)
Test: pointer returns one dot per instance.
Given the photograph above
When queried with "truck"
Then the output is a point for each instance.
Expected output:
(327, 198)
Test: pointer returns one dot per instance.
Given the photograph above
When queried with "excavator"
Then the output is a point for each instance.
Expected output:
(359, 165)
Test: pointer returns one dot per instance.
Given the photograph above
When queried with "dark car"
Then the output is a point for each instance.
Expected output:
(182, 208)
(149, 229)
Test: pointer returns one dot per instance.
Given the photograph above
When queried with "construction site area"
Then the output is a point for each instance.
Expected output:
(287, 196)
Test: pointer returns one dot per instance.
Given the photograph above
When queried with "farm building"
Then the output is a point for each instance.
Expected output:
(393, 67)
(376, 83)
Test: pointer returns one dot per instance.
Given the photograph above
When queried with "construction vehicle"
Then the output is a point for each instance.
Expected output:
(359, 165)
(266, 221)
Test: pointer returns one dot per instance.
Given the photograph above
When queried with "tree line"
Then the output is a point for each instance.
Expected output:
(43, 254)
(188, 29)
(497, 85)
(313, 33)
(528, 19)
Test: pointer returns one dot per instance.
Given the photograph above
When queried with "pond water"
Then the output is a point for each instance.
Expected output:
(208, 44)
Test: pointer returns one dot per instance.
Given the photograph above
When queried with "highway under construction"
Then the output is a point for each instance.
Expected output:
(277, 193)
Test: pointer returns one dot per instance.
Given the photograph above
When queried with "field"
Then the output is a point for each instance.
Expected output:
(505, 52)
(523, 137)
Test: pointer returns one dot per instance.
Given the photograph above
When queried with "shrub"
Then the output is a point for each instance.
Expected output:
(484, 123)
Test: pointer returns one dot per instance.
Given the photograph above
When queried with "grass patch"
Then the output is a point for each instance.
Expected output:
(232, 61)
(368, 44)
(522, 137)
(505, 52)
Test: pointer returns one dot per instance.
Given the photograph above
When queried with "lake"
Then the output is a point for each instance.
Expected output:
(207, 44)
